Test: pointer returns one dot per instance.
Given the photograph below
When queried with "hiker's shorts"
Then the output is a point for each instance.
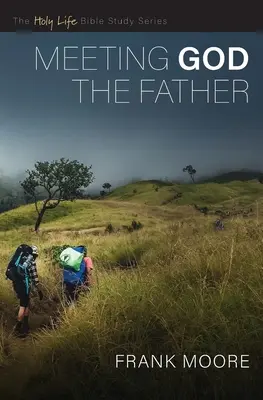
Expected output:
(22, 295)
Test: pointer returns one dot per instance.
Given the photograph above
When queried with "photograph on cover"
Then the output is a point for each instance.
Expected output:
(131, 215)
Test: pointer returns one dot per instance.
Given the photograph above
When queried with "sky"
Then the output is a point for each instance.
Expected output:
(42, 118)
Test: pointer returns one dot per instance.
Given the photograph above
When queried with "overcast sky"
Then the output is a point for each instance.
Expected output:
(42, 119)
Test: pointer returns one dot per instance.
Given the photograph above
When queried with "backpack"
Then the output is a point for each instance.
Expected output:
(17, 266)
(219, 224)
(72, 257)
(70, 274)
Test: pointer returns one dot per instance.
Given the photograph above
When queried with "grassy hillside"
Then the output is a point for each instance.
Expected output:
(213, 195)
(87, 214)
(188, 290)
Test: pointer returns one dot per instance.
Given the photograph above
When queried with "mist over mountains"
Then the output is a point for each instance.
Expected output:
(12, 195)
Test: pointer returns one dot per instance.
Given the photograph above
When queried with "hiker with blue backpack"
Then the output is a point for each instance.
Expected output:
(77, 270)
(22, 271)
(219, 224)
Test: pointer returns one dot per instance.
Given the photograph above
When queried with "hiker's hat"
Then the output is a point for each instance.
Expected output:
(34, 250)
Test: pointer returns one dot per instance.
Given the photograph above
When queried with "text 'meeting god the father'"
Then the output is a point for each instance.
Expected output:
(125, 87)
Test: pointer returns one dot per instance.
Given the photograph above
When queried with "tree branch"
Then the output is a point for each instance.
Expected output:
(53, 205)
(36, 206)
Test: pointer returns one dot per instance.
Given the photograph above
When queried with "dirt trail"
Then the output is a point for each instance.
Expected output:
(76, 232)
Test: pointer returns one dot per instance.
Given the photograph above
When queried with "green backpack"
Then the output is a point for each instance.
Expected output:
(71, 258)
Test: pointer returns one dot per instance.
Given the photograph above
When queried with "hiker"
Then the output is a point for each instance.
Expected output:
(22, 271)
(77, 274)
(219, 224)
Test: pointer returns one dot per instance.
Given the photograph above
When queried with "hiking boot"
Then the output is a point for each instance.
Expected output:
(25, 327)
(20, 335)
(25, 330)
(18, 330)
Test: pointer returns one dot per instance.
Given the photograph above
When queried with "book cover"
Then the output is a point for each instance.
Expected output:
(132, 143)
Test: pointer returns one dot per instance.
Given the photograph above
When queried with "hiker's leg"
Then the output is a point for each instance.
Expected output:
(69, 293)
(25, 321)
(66, 292)
(76, 293)
(26, 313)
(72, 294)
(21, 313)
(18, 289)
(19, 322)
(25, 327)
(22, 326)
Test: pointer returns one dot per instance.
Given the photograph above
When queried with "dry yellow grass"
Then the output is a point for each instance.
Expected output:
(193, 291)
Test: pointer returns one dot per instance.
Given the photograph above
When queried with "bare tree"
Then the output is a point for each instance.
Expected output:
(191, 171)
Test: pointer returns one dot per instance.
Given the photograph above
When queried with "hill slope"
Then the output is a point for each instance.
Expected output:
(153, 201)
(128, 202)
(204, 194)
(175, 286)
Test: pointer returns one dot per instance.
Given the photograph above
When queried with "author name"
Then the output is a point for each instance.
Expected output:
(185, 361)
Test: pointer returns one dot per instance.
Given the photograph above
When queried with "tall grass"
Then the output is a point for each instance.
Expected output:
(190, 291)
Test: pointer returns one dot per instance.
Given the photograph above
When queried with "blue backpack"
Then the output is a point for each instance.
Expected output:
(17, 269)
(72, 276)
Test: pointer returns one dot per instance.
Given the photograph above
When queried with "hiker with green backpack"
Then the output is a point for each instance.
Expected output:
(22, 271)
(77, 269)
